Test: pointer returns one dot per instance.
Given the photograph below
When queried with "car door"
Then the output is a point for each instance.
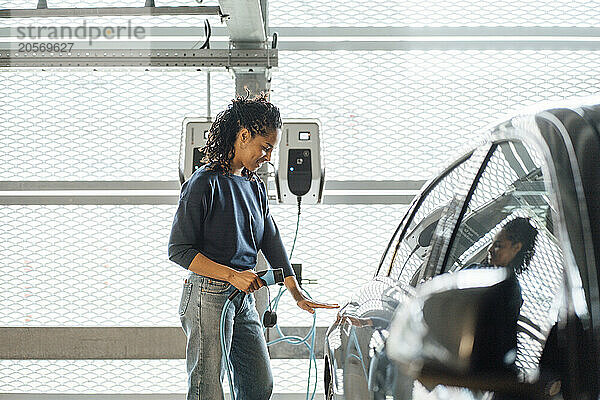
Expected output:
(350, 342)
(542, 168)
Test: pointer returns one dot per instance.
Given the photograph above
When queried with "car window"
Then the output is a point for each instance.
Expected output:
(410, 249)
(512, 187)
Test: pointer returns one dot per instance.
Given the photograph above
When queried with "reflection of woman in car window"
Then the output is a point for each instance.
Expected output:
(514, 245)
(512, 248)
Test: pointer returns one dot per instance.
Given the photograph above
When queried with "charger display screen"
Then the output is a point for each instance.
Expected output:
(303, 135)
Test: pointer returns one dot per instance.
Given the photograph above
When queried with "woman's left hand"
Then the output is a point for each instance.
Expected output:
(310, 305)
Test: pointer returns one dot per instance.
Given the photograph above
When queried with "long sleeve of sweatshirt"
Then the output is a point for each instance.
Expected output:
(227, 219)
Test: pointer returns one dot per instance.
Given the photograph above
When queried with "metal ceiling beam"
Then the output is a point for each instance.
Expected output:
(172, 198)
(244, 59)
(25, 193)
(360, 39)
(404, 44)
(346, 185)
(246, 24)
(425, 44)
(97, 199)
(447, 32)
(109, 11)
(245, 21)
(12, 186)
(34, 186)
(338, 33)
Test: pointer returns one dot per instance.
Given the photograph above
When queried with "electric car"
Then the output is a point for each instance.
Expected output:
(416, 329)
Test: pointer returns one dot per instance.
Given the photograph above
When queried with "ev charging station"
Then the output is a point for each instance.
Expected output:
(193, 139)
(301, 173)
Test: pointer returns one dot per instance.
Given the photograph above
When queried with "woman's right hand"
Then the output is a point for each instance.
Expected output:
(247, 281)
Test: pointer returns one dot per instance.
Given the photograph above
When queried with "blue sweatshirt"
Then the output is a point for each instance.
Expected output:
(227, 219)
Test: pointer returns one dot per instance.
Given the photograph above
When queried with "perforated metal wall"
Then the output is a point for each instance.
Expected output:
(127, 376)
(403, 114)
(385, 115)
(321, 13)
(110, 124)
(445, 13)
(108, 266)
(338, 246)
(382, 107)
(88, 266)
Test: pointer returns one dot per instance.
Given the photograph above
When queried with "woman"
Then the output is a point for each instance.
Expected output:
(512, 248)
(221, 223)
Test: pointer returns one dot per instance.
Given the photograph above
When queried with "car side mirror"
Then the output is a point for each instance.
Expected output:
(461, 330)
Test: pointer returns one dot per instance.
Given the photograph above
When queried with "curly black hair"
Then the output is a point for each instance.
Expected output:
(520, 230)
(257, 115)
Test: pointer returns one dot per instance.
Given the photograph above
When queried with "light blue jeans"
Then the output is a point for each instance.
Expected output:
(202, 302)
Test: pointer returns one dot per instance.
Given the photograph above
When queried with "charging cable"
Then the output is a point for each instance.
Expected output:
(297, 225)
(308, 341)
(310, 337)
(269, 278)
(224, 355)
